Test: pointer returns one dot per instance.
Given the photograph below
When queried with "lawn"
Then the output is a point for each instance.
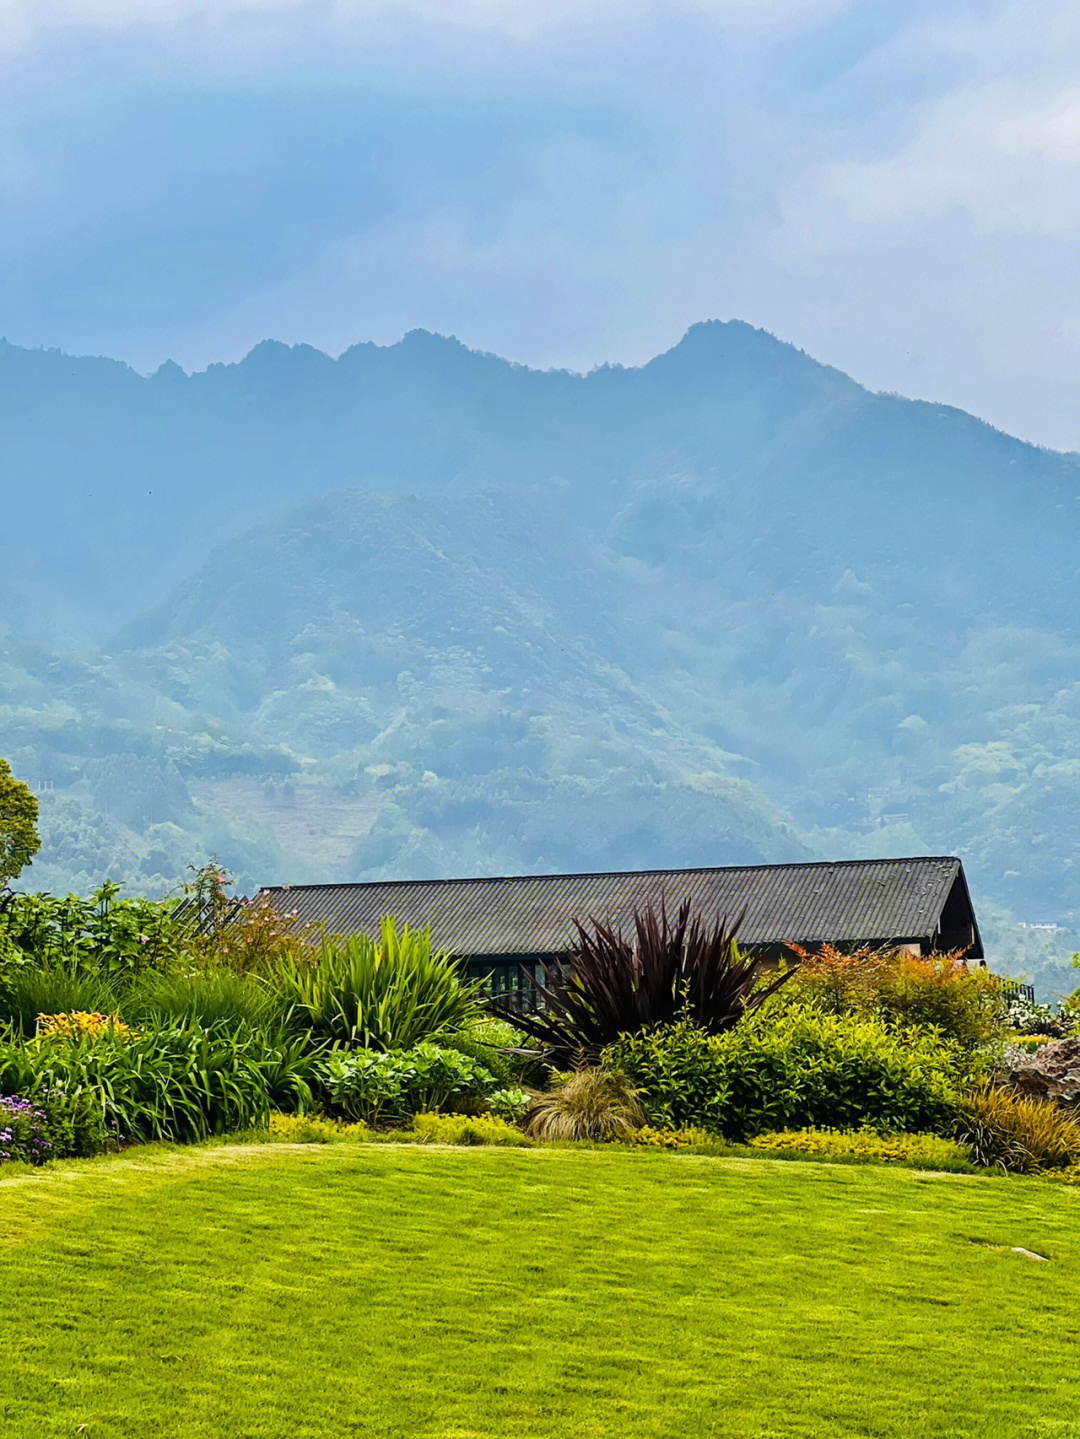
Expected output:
(280, 1292)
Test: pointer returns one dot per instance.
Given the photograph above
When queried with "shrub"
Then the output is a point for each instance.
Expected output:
(386, 994)
(246, 936)
(932, 991)
(1029, 1017)
(467, 1129)
(1019, 1135)
(791, 1069)
(591, 1104)
(611, 985)
(101, 935)
(312, 1129)
(924, 1151)
(391, 1085)
(77, 1127)
(509, 1104)
(499, 1047)
(180, 1083)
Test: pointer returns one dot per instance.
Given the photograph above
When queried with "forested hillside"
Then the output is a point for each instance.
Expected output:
(419, 611)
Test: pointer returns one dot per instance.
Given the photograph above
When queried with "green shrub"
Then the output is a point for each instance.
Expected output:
(1019, 1135)
(312, 1129)
(102, 935)
(924, 1151)
(180, 1083)
(591, 1104)
(77, 1127)
(789, 1069)
(387, 994)
(467, 1129)
(509, 1104)
(493, 1042)
(389, 1086)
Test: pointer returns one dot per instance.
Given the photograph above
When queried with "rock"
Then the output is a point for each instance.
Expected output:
(1053, 1073)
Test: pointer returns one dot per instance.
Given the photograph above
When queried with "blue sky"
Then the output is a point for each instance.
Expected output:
(894, 188)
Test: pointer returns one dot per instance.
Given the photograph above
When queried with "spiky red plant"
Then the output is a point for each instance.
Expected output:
(611, 985)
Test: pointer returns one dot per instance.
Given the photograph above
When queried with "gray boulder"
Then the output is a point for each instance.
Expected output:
(1053, 1073)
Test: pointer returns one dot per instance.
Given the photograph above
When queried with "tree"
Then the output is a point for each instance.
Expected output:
(19, 839)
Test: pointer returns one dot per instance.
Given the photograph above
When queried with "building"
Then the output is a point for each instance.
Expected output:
(507, 928)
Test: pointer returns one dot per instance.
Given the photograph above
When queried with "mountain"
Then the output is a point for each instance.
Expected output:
(118, 484)
(419, 611)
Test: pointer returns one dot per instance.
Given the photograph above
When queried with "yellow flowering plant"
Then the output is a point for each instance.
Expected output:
(81, 1024)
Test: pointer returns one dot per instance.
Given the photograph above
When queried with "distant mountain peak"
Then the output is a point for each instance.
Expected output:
(169, 371)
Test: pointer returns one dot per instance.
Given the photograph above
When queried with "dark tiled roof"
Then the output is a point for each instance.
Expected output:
(853, 901)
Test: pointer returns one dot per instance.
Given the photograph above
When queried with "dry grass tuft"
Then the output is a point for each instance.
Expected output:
(592, 1104)
(1022, 1136)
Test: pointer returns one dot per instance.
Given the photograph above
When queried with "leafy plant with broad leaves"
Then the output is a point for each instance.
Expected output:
(112, 939)
(612, 985)
(373, 1086)
(386, 993)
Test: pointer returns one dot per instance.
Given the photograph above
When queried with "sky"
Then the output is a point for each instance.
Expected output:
(894, 188)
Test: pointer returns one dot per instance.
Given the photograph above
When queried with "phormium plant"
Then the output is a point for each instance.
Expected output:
(613, 985)
(386, 993)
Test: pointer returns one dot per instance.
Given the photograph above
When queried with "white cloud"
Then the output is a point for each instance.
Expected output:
(1004, 157)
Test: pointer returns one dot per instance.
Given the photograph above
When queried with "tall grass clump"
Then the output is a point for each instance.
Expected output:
(592, 1104)
(389, 993)
(1017, 1134)
(216, 996)
(55, 988)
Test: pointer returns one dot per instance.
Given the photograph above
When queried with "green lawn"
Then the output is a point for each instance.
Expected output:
(481, 1294)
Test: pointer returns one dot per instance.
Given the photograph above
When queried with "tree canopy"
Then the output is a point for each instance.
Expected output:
(19, 839)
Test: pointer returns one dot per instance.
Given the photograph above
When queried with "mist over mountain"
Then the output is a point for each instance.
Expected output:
(419, 611)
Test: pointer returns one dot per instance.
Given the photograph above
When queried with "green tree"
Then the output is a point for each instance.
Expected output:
(19, 839)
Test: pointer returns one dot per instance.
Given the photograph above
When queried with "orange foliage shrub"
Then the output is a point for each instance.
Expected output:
(936, 990)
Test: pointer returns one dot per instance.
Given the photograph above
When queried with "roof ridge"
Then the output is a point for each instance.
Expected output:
(802, 864)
